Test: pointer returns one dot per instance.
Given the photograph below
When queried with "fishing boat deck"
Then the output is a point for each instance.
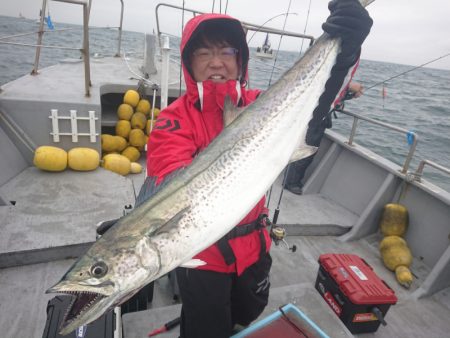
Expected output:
(23, 303)
(293, 276)
(49, 217)
(311, 214)
(38, 209)
(67, 80)
(313, 222)
(45, 207)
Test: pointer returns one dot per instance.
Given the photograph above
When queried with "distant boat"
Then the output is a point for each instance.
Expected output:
(265, 51)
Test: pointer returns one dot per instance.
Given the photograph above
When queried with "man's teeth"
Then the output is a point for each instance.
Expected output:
(216, 77)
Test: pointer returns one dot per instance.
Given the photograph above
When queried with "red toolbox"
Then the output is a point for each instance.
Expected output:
(354, 292)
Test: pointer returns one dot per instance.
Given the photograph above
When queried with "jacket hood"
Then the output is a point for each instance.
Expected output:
(194, 27)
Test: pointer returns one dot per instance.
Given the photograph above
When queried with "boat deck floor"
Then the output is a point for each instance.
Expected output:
(23, 302)
(45, 207)
(293, 277)
(310, 214)
(67, 79)
(53, 215)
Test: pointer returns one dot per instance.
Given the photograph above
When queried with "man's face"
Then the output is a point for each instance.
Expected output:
(215, 62)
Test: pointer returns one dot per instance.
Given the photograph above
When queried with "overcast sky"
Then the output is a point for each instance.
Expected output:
(409, 32)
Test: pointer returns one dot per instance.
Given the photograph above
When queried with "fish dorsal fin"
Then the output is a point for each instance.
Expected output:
(302, 152)
(230, 111)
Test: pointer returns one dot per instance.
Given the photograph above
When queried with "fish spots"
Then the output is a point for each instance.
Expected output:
(126, 262)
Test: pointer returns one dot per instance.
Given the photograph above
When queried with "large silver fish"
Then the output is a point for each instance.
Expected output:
(188, 214)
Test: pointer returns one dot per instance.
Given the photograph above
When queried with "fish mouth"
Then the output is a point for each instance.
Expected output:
(81, 303)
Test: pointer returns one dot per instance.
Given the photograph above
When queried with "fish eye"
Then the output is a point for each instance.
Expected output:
(99, 269)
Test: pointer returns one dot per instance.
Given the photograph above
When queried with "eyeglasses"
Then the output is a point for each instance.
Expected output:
(224, 54)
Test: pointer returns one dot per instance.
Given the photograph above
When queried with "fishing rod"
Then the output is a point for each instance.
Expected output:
(409, 70)
(272, 18)
(306, 25)
(277, 210)
(279, 43)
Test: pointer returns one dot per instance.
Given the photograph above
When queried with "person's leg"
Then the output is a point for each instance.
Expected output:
(205, 297)
(296, 172)
(250, 292)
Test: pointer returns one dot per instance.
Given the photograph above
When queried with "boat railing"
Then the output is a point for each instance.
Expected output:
(85, 47)
(247, 26)
(417, 175)
(85, 50)
(412, 137)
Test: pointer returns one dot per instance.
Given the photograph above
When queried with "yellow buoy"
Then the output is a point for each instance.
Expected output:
(156, 112)
(131, 97)
(123, 128)
(404, 276)
(395, 252)
(121, 143)
(50, 158)
(395, 256)
(125, 111)
(143, 106)
(138, 121)
(136, 168)
(109, 143)
(137, 138)
(394, 220)
(390, 241)
(104, 153)
(117, 163)
(83, 159)
(132, 153)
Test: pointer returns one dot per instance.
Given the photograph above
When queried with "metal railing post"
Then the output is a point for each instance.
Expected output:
(120, 30)
(353, 132)
(165, 53)
(87, 67)
(86, 13)
(419, 171)
(39, 41)
(411, 134)
(412, 149)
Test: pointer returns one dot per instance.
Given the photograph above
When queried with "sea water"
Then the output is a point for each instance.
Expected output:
(417, 101)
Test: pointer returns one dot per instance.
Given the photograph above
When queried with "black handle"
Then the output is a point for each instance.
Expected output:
(173, 323)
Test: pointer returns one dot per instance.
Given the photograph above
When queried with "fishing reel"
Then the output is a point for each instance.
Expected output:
(278, 233)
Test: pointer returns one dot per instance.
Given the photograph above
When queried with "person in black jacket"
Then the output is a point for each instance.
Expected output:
(296, 170)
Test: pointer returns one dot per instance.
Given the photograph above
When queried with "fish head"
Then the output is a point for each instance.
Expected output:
(105, 277)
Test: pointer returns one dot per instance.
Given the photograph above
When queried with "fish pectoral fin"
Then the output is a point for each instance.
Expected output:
(230, 111)
(166, 225)
(302, 152)
(193, 263)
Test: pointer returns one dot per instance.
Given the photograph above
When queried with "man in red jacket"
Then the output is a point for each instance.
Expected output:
(233, 286)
